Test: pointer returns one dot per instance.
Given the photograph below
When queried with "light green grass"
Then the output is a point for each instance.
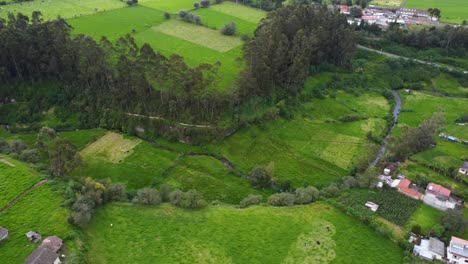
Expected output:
(218, 20)
(41, 212)
(426, 217)
(453, 11)
(390, 3)
(211, 178)
(138, 170)
(220, 234)
(199, 35)
(243, 12)
(171, 6)
(196, 54)
(15, 180)
(51, 9)
(116, 23)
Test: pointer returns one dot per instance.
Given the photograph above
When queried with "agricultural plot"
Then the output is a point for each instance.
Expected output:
(393, 206)
(426, 217)
(218, 20)
(389, 3)
(211, 178)
(15, 177)
(139, 167)
(51, 9)
(199, 35)
(117, 23)
(220, 234)
(315, 148)
(40, 211)
(243, 12)
(453, 11)
(81, 138)
(172, 6)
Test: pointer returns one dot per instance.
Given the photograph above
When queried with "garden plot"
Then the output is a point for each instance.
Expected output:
(112, 147)
(200, 35)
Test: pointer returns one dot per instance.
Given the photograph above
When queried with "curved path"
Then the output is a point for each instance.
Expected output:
(395, 114)
(21, 195)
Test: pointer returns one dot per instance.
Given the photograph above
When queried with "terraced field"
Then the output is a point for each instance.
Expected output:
(306, 234)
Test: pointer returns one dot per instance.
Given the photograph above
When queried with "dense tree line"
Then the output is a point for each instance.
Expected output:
(291, 40)
(99, 77)
(448, 37)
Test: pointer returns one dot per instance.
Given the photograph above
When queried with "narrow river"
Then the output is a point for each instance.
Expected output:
(395, 114)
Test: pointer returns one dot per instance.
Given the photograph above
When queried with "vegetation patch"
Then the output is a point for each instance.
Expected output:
(251, 235)
(243, 12)
(199, 35)
(218, 20)
(172, 6)
(52, 9)
(453, 11)
(111, 147)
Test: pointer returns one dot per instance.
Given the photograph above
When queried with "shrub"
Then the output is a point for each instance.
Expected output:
(245, 37)
(165, 191)
(282, 199)
(330, 191)
(196, 5)
(116, 192)
(29, 155)
(4, 147)
(218, 1)
(260, 177)
(250, 200)
(205, 3)
(147, 196)
(416, 229)
(183, 13)
(17, 146)
(197, 19)
(306, 195)
(167, 15)
(349, 182)
(191, 199)
(229, 29)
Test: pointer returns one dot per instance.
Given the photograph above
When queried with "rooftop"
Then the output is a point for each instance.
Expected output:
(465, 165)
(54, 243)
(42, 255)
(3, 233)
(438, 189)
(436, 246)
(459, 247)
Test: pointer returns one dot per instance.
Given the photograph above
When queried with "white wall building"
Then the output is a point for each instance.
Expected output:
(457, 251)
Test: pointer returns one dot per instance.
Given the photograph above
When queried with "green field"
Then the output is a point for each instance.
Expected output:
(221, 234)
(453, 11)
(217, 20)
(418, 107)
(426, 217)
(51, 9)
(198, 35)
(116, 23)
(245, 13)
(15, 177)
(173, 6)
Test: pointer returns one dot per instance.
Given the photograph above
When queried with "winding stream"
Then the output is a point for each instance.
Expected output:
(395, 114)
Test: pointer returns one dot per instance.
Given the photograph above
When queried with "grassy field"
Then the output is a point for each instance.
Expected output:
(217, 20)
(15, 177)
(221, 234)
(426, 217)
(196, 34)
(51, 9)
(81, 138)
(389, 3)
(116, 23)
(418, 107)
(173, 6)
(41, 212)
(453, 11)
(245, 13)
(211, 178)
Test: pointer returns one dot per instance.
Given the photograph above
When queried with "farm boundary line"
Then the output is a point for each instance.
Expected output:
(21, 195)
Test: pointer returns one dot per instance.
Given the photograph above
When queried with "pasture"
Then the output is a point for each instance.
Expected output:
(388, 3)
(453, 11)
(217, 20)
(111, 147)
(243, 12)
(51, 9)
(220, 234)
(15, 177)
(40, 211)
(199, 35)
(173, 6)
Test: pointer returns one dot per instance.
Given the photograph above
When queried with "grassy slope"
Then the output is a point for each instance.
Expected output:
(81, 138)
(40, 211)
(243, 12)
(218, 20)
(222, 234)
(15, 180)
(173, 6)
(309, 149)
(51, 9)
(453, 11)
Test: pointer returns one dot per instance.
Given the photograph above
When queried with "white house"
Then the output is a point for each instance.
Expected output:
(457, 251)
(430, 249)
(464, 168)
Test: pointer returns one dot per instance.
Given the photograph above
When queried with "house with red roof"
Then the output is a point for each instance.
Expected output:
(406, 187)
(457, 251)
(439, 197)
(344, 9)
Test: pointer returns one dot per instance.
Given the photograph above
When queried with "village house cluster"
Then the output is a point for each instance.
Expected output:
(49, 252)
(437, 197)
(384, 16)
